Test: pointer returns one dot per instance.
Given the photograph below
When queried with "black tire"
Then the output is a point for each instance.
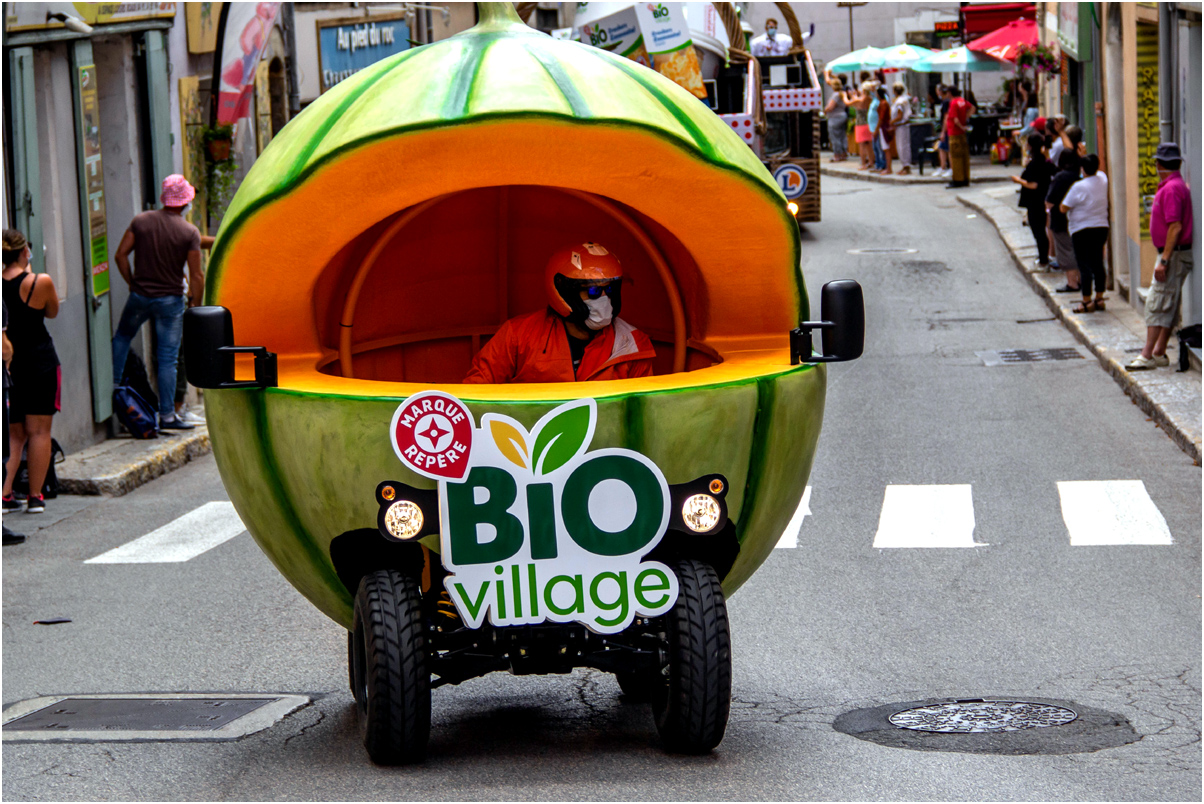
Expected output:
(351, 666)
(391, 682)
(693, 702)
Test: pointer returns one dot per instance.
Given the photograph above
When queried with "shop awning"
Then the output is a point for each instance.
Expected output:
(986, 17)
(1005, 42)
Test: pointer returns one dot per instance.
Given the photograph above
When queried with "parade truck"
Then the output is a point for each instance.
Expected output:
(772, 103)
(387, 235)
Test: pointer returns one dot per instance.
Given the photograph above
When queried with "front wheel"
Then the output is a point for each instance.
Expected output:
(391, 681)
(693, 702)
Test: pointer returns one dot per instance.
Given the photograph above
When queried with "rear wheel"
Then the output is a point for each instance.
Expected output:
(692, 702)
(390, 678)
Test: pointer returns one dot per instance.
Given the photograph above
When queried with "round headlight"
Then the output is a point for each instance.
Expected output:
(701, 512)
(793, 207)
(403, 519)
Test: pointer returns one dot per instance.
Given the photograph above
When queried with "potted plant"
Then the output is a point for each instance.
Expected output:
(218, 140)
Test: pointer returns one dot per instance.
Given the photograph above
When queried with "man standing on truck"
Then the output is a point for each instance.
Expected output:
(578, 337)
(769, 43)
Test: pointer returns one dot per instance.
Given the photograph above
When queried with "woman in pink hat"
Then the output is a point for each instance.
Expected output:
(163, 243)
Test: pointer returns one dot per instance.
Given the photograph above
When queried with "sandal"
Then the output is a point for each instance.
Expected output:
(1087, 306)
(1099, 304)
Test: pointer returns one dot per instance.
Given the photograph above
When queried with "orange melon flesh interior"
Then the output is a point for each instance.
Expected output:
(285, 272)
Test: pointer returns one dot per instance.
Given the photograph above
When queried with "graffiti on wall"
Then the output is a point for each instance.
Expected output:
(1147, 120)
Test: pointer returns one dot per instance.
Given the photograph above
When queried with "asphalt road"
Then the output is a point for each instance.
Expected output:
(827, 627)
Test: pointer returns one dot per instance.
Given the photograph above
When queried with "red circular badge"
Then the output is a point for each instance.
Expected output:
(432, 435)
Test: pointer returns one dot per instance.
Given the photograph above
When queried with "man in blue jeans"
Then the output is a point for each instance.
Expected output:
(164, 243)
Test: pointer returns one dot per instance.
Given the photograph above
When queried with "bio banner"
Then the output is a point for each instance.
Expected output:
(535, 526)
(619, 33)
(667, 40)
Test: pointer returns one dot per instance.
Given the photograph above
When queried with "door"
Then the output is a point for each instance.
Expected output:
(26, 184)
(93, 225)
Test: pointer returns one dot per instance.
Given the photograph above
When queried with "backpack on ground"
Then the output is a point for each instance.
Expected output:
(134, 413)
(1189, 337)
(50, 486)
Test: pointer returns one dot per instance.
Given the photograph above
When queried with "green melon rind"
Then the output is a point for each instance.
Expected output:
(302, 468)
(336, 123)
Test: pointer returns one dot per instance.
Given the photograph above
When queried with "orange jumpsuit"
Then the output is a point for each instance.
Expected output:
(535, 348)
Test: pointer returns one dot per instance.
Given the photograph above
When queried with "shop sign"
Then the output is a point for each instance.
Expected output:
(946, 29)
(1148, 132)
(347, 46)
(535, 526)
(94, 181)
(792, 179)
(1068, 28)
(33, 16)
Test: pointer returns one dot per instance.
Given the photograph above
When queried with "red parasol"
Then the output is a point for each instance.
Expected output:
(1005, 42)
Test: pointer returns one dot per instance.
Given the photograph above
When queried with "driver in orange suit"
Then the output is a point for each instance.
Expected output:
(578, 337)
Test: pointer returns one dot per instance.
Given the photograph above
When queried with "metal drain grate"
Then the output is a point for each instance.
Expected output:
(1007, 357)
(166, 716)
(142, 714)
(974, 717)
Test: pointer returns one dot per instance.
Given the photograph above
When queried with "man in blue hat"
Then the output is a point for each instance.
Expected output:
(1171, 230)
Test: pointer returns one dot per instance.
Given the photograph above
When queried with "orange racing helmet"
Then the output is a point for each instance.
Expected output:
(575, 267)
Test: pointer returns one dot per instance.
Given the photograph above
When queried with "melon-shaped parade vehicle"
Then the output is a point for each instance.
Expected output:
(379, 242)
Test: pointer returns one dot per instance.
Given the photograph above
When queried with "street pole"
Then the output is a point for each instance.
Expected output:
(290, 45)
(1167, 72)
(850, 6)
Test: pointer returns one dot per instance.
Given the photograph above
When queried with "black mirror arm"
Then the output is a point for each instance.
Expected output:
(800, 343)
(265, 367)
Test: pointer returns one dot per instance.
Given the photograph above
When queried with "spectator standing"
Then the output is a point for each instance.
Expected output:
(899, 117)
(882, 135)
(1029, 115)
(1086, 208)
(864, 137)
(838, 118)
(769, 43)
(1063, 180)
(36, 392)
(942, 150)
(1172, 230)
(163, 242)
(10, 536)
(1034, 187)
(957, 124)
(1053, 136)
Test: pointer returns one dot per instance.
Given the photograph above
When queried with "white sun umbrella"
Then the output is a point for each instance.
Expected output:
(867, 58)
(903, 56)
(961, 60)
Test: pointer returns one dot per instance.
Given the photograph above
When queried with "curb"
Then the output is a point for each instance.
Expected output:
(120, 465)
(1177, 426)
(910, 179)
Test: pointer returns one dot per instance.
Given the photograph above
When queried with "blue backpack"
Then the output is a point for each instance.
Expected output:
(134, 413)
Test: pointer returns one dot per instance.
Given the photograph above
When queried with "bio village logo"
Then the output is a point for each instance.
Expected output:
(534, 527)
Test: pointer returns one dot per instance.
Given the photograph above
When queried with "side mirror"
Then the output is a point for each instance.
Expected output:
(209, 352)
(842, 309)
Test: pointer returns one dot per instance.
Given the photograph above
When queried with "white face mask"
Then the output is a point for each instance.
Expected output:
(771, 31)
(600, 313)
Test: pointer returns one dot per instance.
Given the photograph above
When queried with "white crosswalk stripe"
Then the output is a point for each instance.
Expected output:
(789, 537)
(1110, 512)
(182, 539)
(926, 516)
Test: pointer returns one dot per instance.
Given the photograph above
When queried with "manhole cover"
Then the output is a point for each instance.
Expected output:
(1007, 726)
(145, 717)
(971, 717)
(1007, 357)
(882, 251)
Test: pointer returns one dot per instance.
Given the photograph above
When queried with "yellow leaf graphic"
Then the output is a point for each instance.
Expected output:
(510, 441)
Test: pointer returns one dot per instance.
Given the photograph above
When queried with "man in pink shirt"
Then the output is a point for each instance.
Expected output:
(1171, 230)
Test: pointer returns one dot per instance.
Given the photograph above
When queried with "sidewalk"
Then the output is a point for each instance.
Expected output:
(120, 465)
(981, 171)
(1172, 400)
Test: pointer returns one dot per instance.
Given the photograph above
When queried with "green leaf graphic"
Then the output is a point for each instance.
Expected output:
(561, 439)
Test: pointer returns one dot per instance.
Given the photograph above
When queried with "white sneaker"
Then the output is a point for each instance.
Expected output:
(1161, 361)
(186, 415)
(1141, 363)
